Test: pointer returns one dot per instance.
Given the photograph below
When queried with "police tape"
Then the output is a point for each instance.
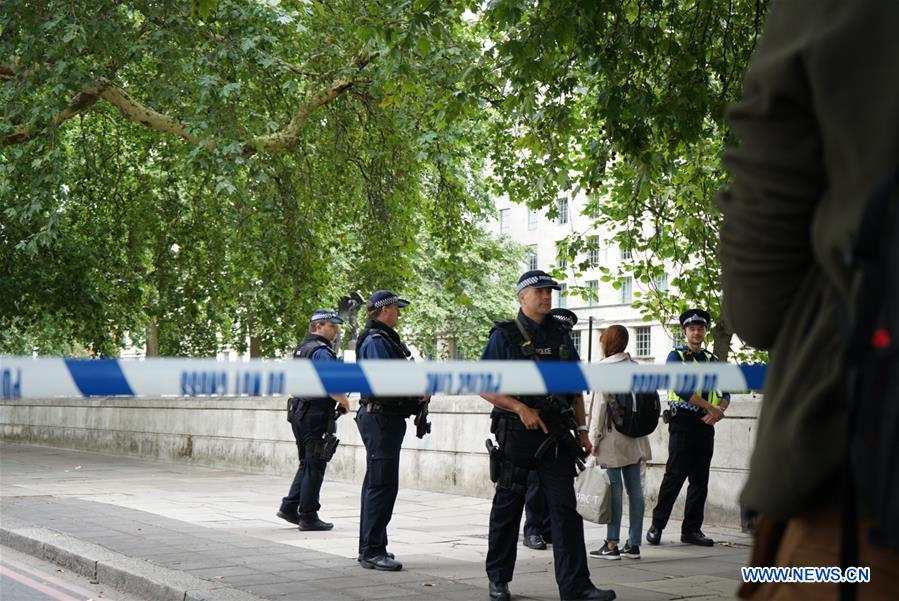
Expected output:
(27, 378)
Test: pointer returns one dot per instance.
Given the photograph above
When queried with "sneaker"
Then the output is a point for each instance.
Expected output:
(631, 551)
(606, 553)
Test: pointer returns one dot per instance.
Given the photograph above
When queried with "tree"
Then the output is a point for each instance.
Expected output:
(202, 179)
(623, 101)
(457, 297)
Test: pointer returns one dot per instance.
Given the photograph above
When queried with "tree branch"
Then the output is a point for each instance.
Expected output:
(140, 114)
(7, 70)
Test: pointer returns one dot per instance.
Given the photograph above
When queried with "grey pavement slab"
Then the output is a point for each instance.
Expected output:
(212, 534)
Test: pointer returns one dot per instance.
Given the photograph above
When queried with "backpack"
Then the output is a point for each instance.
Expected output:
(635, 414)
(871, 488)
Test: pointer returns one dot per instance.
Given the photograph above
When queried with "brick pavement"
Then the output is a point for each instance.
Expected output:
(210, 533)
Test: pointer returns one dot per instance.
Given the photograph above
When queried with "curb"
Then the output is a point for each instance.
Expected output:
(127, 574)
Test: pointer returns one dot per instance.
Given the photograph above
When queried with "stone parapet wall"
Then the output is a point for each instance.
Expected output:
(253, 434)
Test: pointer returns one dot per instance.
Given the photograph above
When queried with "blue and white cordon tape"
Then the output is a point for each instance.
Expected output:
(27, 378)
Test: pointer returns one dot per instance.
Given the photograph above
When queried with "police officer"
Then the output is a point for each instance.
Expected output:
(520, 425)
(537, 529)
(691, 419)
(567, 318)
(382, 425)
(313, 424)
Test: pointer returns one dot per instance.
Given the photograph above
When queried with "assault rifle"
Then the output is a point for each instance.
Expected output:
(558, 415)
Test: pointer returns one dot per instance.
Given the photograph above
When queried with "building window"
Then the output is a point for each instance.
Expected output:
(576, 339)
(627, 290)
(563, 296)
(532, 220)
(626, 254)
(644, 348)
(561, 256)
(532, 257)
(563, 210)
(504, 221)
(593, 253)
(660, 282)
(593, 293)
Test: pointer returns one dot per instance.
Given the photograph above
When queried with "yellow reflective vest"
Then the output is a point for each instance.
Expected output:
(714, 398)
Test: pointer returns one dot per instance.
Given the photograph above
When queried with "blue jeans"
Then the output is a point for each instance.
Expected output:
(630, 474)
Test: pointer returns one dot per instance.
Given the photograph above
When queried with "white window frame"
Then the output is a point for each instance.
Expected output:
(576, 339)
(643, 341)
(593, 286)
(660, 282)
(561, 261)
(627, 291)
(532, 258)
(593, 252)
(562, 205)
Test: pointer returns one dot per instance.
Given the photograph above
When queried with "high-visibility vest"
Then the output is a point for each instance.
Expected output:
(714, 397)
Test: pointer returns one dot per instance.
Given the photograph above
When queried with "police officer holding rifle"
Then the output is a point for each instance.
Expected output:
(536, 433)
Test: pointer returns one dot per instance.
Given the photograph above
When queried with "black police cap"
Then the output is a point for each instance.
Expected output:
(326, 315)
(695, 316)
(566, 317)
(536, 279)
(382, 298)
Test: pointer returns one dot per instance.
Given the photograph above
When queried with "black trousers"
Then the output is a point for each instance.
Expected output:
(536, 511)
(555, 474)
(382, 436)
(690, 447)
(308, 425)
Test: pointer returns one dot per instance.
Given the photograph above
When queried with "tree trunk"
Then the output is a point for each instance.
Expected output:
(722, 336)
(255, 353)
(153, 338)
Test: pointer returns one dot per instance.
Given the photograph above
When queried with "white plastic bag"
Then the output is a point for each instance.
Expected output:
(593, 491)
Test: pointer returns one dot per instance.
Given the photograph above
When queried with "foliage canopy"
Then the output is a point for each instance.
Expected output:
(193, 175)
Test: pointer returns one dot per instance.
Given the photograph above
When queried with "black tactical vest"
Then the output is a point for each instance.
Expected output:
(307, 348)
(553, 348)
(404, 406)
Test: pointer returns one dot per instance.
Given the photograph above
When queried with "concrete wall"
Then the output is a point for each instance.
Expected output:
(253, 434)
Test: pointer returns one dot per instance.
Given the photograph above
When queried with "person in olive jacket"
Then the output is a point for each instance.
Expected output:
(818, 129)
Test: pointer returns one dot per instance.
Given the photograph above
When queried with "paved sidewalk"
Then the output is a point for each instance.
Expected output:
(185, 532)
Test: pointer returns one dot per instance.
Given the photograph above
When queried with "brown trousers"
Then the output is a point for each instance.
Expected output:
(814, 540)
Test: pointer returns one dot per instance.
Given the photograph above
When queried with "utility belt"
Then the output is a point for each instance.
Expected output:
(297, 405)
(678, 413)
(686, 419)
(326, 446)
(506, 474)
(399, 408)
(502, 422)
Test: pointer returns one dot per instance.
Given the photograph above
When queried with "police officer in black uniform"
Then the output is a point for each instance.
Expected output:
(691, 416)
(537, 526)
(535, 433)
(313, 424)
(382, 425)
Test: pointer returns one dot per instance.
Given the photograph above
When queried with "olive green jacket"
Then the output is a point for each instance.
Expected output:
(818, 127)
